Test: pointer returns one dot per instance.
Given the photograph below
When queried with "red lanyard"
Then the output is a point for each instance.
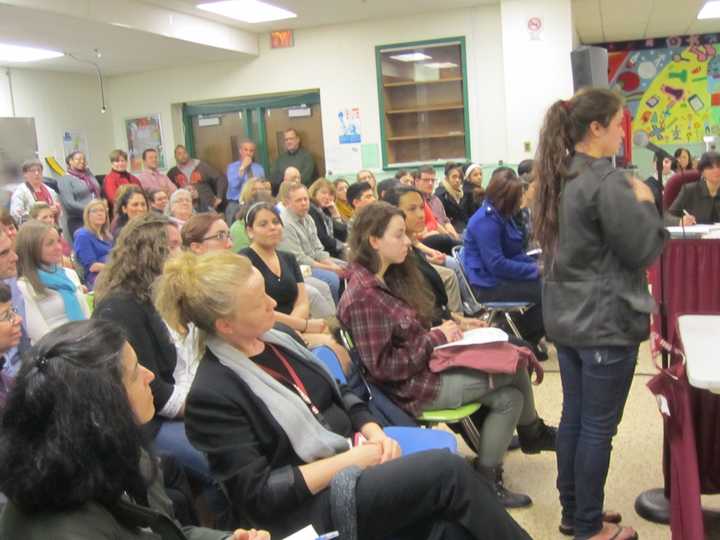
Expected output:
(296, 383)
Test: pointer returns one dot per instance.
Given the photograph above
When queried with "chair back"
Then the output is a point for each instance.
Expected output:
(675, 184)
(382, 407)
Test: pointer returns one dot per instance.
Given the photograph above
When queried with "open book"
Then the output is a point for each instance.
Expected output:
(477, 336)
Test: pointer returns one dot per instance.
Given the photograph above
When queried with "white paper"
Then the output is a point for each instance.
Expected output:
(343, 159)
(690, 231)
(308, 533)
(477, 336)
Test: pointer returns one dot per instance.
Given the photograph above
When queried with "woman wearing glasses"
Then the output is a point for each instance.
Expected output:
(10, 334)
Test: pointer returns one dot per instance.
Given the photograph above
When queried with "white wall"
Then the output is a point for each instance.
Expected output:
(340, 62)
(537, 72)
(60, 101)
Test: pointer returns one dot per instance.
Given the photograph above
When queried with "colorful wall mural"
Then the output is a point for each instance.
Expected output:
(671, 85)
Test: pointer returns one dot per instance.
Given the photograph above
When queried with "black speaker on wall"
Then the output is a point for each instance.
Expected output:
(589, 67)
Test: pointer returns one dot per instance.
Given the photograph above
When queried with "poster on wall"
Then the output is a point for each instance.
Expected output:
(74, 140)
(143, 132)
(349, 126)
(671, 86)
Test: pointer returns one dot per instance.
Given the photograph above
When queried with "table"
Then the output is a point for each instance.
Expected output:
(686, 280)
(700, 336)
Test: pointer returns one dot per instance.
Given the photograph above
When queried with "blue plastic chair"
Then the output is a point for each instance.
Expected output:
(410, 439)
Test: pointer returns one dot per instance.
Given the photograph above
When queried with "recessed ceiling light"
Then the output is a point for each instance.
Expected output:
(411, 57)
(249, 11)
(19, 53)
(441, 65)
(711, 10)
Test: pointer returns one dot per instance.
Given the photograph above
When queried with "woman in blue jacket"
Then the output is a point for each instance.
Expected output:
(494, 258)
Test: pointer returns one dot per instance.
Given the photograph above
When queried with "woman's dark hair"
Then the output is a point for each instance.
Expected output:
(504, 191)
(387, 185)
(69, 435)
(72, 155)
(566, 124)
(197, 227)
(6, 218)
(124, 199)
(241, 214)
(450, 166)
(393, 196)
(254, 209)
(404, 280)
(708, 160)
(676, 162)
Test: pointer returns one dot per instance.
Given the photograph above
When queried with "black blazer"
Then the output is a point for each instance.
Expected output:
(149, 337)
(329, 242)
(455, 210)
(250, 453)
(695, 198)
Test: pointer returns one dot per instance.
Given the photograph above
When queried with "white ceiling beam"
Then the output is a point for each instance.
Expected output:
(152, 19)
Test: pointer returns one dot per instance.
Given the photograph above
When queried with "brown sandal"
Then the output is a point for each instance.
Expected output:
(607, 517)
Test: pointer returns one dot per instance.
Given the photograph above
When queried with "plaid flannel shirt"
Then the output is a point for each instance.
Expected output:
(392, 343)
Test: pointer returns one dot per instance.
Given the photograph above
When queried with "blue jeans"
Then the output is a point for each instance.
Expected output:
(332, 279)
(172, 440)
(595, 382)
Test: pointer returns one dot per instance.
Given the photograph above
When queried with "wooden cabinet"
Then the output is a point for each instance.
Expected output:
(423, 95)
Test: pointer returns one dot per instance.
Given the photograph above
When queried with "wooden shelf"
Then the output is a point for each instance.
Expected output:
(420, 83)
(429, 108)
(418, 137)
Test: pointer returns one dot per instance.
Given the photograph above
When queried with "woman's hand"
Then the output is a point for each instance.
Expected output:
(688, 219)
(451, 330)
(315, 326)
(390, 447)
(436, 257)
(467, 323)
(252, 534)
(366, 455)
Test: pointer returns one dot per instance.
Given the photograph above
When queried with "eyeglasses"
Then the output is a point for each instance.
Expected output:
(10, 315)
(220, 236)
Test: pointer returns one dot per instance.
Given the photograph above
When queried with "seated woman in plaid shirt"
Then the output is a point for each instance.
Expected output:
(388, 308)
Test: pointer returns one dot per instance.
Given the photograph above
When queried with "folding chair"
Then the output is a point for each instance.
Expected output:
(492, 309)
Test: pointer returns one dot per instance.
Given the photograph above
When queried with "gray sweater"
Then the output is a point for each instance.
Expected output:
(300, 238)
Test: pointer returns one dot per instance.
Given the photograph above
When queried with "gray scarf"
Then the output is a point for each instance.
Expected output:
(310, 439)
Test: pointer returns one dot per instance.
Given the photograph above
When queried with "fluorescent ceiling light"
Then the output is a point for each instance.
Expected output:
(441, 65)
(411, 57)
(249, 11)
(711, 10)
(18, 53)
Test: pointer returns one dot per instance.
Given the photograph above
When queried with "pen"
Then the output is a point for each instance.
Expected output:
(686, 212)
(328, 536)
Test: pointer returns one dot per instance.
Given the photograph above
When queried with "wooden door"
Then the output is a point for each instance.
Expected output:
(308, 127)
(217, 144)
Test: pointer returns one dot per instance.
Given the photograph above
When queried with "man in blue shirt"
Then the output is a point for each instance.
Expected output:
(8, 274)
(238, 173)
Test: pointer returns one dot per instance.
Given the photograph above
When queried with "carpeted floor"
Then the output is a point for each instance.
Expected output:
(635, 465)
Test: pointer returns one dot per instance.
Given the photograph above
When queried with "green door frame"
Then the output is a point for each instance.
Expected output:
(249, 108)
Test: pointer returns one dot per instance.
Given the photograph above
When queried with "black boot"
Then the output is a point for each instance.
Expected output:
(536, 437)
(509, 499)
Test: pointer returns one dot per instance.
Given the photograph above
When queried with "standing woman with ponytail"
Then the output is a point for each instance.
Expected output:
(599, 231)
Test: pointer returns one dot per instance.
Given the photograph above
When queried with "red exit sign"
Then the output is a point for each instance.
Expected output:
(281, 39)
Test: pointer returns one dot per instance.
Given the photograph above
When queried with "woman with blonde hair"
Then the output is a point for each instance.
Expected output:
(331, 230)
(93, 241)
(53, 294)
(275, 426)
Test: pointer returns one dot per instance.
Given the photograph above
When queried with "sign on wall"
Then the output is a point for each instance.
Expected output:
(144, 132)
(349, 126)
